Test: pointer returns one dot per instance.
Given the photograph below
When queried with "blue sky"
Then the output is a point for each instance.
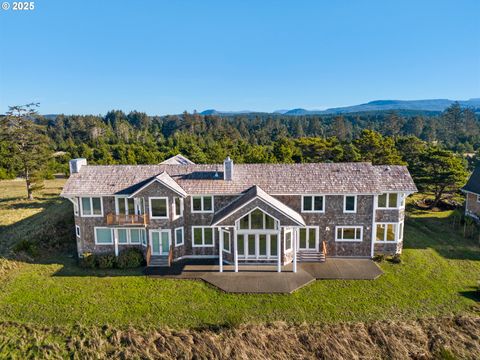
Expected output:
(88, 57)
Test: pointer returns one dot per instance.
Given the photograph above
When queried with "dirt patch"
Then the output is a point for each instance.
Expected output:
(453, 337)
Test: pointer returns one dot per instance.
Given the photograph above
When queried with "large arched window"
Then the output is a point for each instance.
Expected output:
(258, 220)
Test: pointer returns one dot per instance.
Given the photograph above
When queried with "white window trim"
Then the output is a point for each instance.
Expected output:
(317, 235)
(91, 206)
(174, 208)
(183, 236)
(77, 231)
(229, 241)
(348, 227)
(129, 235)
(398, 205)
(150, 207)
(345, 211)
(396, 233)
(285, 232)
(160, 231)
(264, 230)
(203, 236)
(313, 203)
(76, 211)
(111, 235)
(202, 211)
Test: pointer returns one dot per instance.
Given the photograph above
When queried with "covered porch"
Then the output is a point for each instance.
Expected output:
(257, 229)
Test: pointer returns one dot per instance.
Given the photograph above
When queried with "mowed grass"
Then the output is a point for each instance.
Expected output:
(437, 277)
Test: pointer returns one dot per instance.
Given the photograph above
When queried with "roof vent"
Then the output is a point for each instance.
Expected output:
(228, 169)
(76, 164)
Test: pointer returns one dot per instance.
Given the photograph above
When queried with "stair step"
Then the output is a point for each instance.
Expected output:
(310, 256)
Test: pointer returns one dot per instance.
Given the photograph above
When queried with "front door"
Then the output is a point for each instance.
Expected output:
(308, 238)
(160, 242)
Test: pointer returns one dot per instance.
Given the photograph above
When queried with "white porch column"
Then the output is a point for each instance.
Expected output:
(235, 250)
(295, 230)
(220, 251)
(279, 251)
(115, 240)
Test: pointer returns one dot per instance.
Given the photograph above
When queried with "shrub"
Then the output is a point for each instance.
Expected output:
(27, 247)
(396, 259)
(379, 257)
(130, 258)
(106, 261)
(88, 261)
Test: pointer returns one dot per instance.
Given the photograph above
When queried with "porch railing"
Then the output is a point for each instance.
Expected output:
(324, 248)
(114, 219)
(170, 256)
(148, 255)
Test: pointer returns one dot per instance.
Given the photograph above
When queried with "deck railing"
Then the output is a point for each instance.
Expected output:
(324, 248)
(114, 219)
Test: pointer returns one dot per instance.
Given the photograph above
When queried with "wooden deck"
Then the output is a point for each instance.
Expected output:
(265, 278)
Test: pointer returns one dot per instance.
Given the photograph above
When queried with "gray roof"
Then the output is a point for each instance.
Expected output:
(275, 179)
(249, 195)
(473, 184)
(167, 181)
(178, 159)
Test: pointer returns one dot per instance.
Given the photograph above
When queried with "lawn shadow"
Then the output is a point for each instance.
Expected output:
(473, 294)
(442, 234)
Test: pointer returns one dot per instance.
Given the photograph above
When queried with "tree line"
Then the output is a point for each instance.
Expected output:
(431, 146)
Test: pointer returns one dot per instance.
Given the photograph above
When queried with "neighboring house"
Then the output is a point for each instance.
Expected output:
(472, 192)
(247, 213)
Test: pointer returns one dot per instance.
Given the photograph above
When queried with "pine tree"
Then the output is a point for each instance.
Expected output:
(28, 144)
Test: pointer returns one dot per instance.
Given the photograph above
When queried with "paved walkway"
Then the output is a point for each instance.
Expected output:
(265, 278)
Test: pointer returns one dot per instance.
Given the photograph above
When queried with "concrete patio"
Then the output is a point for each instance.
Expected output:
(265, 278)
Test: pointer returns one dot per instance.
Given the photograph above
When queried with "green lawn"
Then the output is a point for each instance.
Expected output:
(437, 277)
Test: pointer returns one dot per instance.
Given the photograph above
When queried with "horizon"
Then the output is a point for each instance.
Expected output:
(167, 58)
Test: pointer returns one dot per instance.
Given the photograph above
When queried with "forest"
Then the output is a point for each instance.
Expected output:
(427, 143)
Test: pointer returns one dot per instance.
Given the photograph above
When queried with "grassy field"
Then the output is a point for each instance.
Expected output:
(436, 278)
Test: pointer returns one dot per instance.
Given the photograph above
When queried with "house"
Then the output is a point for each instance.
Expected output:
(472, 194)
(240, 213)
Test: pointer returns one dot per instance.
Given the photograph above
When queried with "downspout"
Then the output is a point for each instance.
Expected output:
(374, 227)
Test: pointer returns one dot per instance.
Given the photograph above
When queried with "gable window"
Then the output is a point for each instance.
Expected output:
(103, 236)
(350, 203)
(202, 204)
(178, 207)
(349, 233)
(257, 219)
(179, 236)
(226, 241)
(386, 232)
(77, 230)
(288, 239)
(388, 201)
(158, 207)
(203, 236)
(313, 203)
(91, 206)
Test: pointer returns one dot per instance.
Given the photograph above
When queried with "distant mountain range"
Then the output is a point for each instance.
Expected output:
(436, 105)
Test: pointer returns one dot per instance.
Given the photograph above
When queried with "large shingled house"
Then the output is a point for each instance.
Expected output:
(242, 213)
(472, 195)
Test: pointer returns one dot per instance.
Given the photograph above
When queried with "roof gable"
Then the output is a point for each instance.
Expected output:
(473, 183)
(165, 180)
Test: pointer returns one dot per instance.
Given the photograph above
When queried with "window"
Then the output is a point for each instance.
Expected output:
(125, 206)
(226, 241)
(314, 203)
(126, 236)
(77, 230)
(348, 233)
(386, 233)
(91, 206)
(288, 239)
(178, 207)
(159, 207)
(400, 232)
(257, 219)
(203, 236)
(179, 236)
(103, 236)
(350, 204)
(202, 204)
(388, 201)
